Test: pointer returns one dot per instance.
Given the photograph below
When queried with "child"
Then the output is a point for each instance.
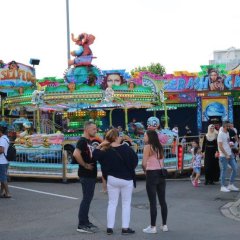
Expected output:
(194, 144)
(197, 165)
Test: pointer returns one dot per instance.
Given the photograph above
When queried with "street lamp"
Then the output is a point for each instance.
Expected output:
(34, 62)
(68, 30)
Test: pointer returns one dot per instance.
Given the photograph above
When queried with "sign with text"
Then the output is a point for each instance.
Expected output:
(15, 74)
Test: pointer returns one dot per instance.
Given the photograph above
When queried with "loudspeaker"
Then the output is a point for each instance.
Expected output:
(34, 61)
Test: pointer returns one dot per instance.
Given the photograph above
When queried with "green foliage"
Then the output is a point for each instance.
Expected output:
(155, 68)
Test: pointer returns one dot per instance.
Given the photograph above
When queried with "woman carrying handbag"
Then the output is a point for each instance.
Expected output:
(118, 163)
(155, 183)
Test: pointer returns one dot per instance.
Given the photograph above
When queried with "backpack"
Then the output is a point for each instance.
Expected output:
(11, 152)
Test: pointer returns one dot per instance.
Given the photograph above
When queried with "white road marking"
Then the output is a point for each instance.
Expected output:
(41, 192)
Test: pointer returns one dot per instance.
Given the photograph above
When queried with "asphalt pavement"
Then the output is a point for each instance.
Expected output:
(48, 210)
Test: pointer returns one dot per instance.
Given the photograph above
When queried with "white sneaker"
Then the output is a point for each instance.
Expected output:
(150, 229)
(164, 228)
(199, 181)
(191, 178)
(231, 187)
(224, 189)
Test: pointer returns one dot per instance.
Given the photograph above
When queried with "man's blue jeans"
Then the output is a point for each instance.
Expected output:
(224, 162)
(88, 187)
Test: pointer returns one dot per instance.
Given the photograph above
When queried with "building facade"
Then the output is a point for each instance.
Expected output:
(230, 57)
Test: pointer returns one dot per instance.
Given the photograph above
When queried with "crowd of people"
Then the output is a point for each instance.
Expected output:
(219, 150)
(118, 163)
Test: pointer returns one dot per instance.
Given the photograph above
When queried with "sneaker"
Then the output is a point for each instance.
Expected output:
(224, 189)
(231, 187)
(199, 181)
(195, 183)
(127, 231)
(150, 229)
(191, 178)
(91, 225)
(85, 229)
(109, 231)
(164, 228)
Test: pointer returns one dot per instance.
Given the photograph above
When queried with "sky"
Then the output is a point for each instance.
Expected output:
(179, 34)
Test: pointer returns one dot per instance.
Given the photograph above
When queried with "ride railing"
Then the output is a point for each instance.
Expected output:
(187, 146)
(177, 156)
(170, 156)
(45, 162)
(42, 163)
(49, 127)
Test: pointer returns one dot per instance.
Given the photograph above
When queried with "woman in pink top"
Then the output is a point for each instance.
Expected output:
(155, 185)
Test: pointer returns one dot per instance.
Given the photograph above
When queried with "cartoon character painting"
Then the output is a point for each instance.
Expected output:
(80, 68)
(216, 82)
(83, 55)
(112, 79)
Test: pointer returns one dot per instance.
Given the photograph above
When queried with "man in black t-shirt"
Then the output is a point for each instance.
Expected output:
(87, 173)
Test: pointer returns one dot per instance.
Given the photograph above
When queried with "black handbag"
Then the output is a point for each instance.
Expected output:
(163, 172)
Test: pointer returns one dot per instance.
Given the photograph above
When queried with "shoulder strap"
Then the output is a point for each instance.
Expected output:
(157, 158)
(8, 146)
(6, 140)
(119, 155)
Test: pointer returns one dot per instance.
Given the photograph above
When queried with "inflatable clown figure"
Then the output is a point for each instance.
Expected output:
(165, 136)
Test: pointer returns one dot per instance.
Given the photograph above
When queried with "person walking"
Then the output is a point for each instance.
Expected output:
(197, 159)
(153, 161)
(210, 151)
(87, 173)
(118, 163)
(195, 144)
(226, 158)
(4, 145)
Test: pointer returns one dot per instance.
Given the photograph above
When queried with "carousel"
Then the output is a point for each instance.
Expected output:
(31, 107)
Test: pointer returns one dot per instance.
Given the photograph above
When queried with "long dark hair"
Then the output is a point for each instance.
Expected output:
(154, 142)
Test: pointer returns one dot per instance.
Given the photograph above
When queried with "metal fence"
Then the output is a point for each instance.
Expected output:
(42, 163)
(171, 156)
(187, 146)
(45, 162)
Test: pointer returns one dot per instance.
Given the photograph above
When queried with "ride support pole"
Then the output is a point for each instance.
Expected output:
(3, 112)
(110, 117)
(53, 122)
(126, 118)
(38, 120)
(165, 115)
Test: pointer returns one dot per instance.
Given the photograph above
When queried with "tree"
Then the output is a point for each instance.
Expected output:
(155, 68)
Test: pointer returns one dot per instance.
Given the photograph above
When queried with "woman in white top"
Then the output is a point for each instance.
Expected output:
(4, 144)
